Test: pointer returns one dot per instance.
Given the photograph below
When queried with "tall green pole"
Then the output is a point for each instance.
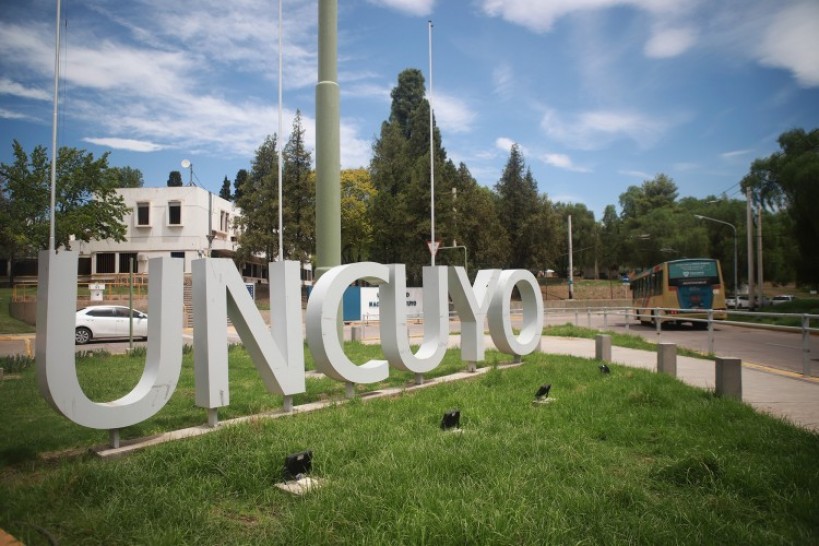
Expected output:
(328, 142)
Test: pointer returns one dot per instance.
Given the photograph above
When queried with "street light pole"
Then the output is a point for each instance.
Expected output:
(732, 226)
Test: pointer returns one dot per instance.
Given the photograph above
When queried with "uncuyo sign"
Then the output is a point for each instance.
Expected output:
(277, 351)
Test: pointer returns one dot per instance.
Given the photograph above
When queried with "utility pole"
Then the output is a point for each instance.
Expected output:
(749, 219)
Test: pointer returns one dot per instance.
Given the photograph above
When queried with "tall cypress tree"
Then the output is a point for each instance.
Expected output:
(259, 204)
(299, 195)
(517, 206)
(400, 173)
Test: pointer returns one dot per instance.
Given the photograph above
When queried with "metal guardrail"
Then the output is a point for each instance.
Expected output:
(679, 315)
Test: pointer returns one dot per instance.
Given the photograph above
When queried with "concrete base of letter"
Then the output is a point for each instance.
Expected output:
(300, 487)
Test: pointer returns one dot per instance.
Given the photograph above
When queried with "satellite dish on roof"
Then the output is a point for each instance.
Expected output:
(186, 164)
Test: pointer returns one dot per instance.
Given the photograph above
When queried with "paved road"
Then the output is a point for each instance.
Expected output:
(778, 349)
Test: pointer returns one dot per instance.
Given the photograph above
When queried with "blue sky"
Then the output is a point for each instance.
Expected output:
(599, 94)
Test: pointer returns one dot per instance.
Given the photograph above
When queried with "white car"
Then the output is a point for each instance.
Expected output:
(108, 321)
(776, 300)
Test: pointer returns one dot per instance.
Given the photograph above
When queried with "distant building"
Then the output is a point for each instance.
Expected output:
(184, 222)
(181, 222)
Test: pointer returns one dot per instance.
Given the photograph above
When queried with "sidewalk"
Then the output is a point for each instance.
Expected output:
(782, 394)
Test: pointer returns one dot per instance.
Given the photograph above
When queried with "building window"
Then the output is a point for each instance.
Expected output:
(143, 215)
(125, 261)
(180, 254)
(174, 213)
(106, 262)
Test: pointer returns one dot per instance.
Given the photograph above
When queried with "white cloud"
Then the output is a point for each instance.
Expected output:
(636, 174)
(792, 42)
(778, 34)
(669, 42)
(596, 129)
(505, 145)
(8, 114)
(411, 7)
(125, 144)
(562, 161)
(540, 15)
(452, 114)
(8, 87)
(734, 153)
(503, 80)
(355, 152)
(685, 166)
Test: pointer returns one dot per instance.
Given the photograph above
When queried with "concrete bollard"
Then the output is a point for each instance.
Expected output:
(355, 333)
(728, 377)
(602, 347)
(667, 358)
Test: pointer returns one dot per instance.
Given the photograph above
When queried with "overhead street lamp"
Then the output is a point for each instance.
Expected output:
(732, 226)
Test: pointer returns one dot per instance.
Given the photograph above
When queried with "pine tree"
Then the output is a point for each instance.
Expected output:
(224, 193)
(400, 173)
(238, 182)
(299, 196)
(175, 179)
(517, 206)
(259, 204)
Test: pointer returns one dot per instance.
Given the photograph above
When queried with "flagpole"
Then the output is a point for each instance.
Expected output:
(51, 216)
(281, 147)
(431, 156)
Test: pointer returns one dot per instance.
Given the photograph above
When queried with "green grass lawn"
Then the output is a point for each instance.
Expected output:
(631, 457)
(795, 309)
(9, 324)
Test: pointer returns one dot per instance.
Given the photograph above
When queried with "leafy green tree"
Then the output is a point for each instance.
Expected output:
(224, 193)
(611, 241)
(357, 192)
(788, 179)
(585, 237)
(400, 173)
(259, 222)
(175, 179)
(654, 228)
(87, 205)
(407, 98)
(127, 177)
(517, 206)
(299, 196)
(238, 183)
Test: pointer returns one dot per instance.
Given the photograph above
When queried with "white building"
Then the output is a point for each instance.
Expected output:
(181, 222)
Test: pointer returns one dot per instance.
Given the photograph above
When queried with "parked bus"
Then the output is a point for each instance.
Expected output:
(679, 290)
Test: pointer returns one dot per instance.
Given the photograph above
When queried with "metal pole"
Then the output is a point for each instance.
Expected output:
(328, 147)
(431, 155)
(54, 152)
(806, 371)
(759, 281)
(710, 331)
(281, 147)
(750, 227)
(736, 285)
(571, 262)
(131, 304)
